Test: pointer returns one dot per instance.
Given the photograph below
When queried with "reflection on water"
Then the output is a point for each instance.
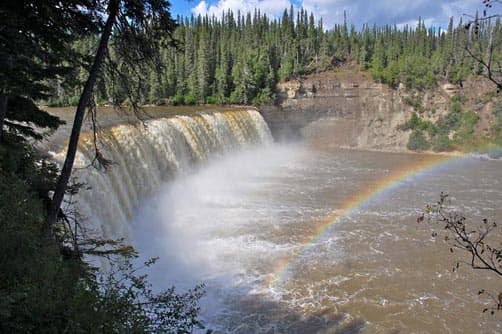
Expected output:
(256, 228)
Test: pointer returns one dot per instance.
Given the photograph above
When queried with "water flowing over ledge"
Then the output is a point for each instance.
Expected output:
(146, 155)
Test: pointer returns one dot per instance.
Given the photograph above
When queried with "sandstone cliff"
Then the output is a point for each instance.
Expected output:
(346, 108)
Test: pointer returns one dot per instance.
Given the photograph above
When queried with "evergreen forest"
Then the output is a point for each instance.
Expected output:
(239, 58)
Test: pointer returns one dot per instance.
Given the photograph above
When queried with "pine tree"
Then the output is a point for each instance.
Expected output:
(34, 48)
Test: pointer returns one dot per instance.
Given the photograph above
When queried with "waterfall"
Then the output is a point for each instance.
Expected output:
(146, 155)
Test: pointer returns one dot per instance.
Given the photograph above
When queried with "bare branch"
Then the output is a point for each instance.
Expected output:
(482, 25)
(462, 234)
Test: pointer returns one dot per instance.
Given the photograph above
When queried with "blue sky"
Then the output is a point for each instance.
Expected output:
(400, 12)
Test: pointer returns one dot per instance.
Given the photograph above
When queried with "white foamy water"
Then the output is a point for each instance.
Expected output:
(145, 156)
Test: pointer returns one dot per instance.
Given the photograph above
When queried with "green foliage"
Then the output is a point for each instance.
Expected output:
(234, 98)
(458, 99)
(498, 112)
(457, 124)
(189, 99)
(415, 101)
(178, 99)
(23, 109)
(412, 123)
(127, 304)
(46, 288)
(458, 74)
(30, 271)
(265, 96)
(286, 70)
(441, 143)
(45, 285)
(418, 141)
(211, 100)
(461, 123)
(34, 53)
(464, 135)
(417, 123)
(451, 122)
(497, 128)
(454, 118)
(416, 73)
(73, 101)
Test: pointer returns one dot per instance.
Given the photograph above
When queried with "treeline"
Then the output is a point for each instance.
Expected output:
(239, 59)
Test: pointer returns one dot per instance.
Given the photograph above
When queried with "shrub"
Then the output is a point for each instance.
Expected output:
(178, 99)
(452, 120)
(416, 123)
(465, 129)
(441, 143)
(190, 99)
(410, 124)
(264, 96)
(497, 129)
(415, 101)
(45, 286)
(73, 101)
(234, 98)
(417, 141)
(211, 100)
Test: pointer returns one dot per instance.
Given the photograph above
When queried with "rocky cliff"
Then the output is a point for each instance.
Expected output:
(346, 108)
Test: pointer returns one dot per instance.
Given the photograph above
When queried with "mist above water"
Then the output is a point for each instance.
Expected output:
(146, 156)
(209, 225)
(239, 224)
(220, 204)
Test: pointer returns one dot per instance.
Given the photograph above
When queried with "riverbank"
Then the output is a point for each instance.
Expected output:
(346, 108)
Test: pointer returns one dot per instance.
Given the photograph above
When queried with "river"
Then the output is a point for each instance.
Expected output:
(290, 237)
(297, 238)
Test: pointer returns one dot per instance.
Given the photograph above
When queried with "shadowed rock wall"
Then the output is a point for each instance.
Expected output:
(341, 109)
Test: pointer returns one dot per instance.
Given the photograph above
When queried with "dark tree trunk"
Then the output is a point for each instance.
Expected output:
(59, 192)
(3, 112)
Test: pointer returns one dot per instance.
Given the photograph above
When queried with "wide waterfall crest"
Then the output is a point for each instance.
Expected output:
(145, 156)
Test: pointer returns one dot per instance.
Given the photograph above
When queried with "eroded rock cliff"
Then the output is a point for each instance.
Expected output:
(346, 108)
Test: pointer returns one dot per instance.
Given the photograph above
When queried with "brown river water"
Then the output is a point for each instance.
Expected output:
(301, 239)
(291, 238)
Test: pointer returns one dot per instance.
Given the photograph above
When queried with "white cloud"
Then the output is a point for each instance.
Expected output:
(359, 12)
(398, 12)
(201, 8)
(270, 7)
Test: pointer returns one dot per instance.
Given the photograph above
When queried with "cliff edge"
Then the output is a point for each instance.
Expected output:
(346, 108)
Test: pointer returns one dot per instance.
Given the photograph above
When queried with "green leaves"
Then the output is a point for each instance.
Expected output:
(417, 141)
(23, 109)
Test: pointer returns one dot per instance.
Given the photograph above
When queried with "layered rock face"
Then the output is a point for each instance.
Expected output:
(346, 108)
(343, 108)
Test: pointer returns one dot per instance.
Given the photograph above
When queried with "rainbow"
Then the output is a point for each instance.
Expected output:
(425, 165)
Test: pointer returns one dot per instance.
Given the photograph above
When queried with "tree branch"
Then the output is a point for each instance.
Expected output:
(460, 235)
